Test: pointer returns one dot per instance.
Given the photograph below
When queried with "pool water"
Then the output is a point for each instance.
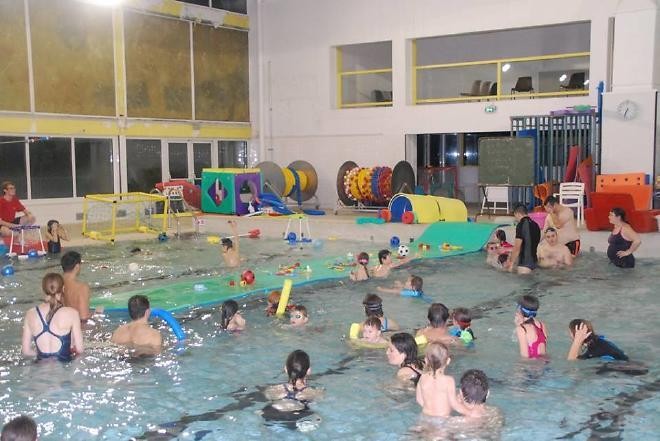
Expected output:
(209, 388)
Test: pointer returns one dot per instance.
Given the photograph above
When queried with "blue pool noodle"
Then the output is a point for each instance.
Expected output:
(170, 320)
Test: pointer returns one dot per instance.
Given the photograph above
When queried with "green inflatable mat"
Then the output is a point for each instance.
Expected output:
(470, 237)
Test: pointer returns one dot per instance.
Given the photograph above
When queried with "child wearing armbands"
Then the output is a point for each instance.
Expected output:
(411, 288)
(462, 326)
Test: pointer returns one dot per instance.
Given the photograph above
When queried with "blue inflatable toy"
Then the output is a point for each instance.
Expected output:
(162, 237)
(171, 321)
(394, 241)
(7, 270)
(33, 254)
(291, 237)
(3, 249)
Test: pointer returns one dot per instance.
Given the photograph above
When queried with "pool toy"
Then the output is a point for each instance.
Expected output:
(403, 250)
(354, 336)
(30, 240)
(421, 340)
(317, 244)
(242, 283)
(424, 247)
(446, 246)
(171, 321)
(464, 335)
(33, 254)
(297, 181)
(7, 270)
(190, 192)
(162, 237)
(408, 217)
(394, 241)
(248, 277)
(181, 295)
(199, 287)
(284, 297)
(230, 190)
(252, 234)
(133, 267)
(427, 209)
(372, 186)
(287, 269)
(385, 214)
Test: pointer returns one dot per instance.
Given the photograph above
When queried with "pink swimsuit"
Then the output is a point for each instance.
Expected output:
(533, 348)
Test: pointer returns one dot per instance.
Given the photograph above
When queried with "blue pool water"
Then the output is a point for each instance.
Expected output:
(209, 387)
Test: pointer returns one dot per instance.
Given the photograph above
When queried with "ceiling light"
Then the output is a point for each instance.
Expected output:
(586, 82)
(563, 77)
(506, 67)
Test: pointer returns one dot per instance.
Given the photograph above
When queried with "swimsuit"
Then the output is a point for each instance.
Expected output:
(529, 232)
(383, 324)
(291, 394)
(417, 376)
(574, 246)
(64, 353)
(54, 247)
(599, 347)
(618, 243)
(411, 293)
(533, 348)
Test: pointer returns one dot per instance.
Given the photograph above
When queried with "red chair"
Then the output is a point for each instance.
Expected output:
(642, 221)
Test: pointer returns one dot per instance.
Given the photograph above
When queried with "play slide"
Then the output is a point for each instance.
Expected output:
(272, 200)
(459, 238)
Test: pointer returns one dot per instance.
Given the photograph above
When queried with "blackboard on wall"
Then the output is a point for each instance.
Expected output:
(506, 161)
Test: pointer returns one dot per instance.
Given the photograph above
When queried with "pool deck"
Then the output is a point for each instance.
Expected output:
(343, 226)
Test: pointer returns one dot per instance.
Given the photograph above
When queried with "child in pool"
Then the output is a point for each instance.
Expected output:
(531, 333)
(474, 392)
(230, 249)
(386, 264)
(373, 306)
(462, 318)
(371, 332)
(437, 329)
(295, 393)
(587, 344)
(273, 301)
(55, 233)
(501, 238)
(402, 352)
(299, 317)
(436, 392)
(411, 288)
(232, 320)
(361, 271)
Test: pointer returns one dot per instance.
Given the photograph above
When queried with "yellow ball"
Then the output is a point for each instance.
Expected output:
(243, 283)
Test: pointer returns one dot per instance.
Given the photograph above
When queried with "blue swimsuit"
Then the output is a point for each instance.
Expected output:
(64, 353)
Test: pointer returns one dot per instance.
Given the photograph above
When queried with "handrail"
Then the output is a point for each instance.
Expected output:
(503, 60)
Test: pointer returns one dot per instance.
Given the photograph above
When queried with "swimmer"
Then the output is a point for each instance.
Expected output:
(76, 293)
(232, 320)
(22, 428)
(402, 352)
(55, 233)
(531, 333)
(53, 328)
(295, 394)
(273, 301)
(562, 219)
(587, 344)
(436, 392)
(500, 235)
(137, 334)
(438, 314)
(361, 272)
(473, 392)
(411, 288)
(462, 318)
(298, 316)
(528, 234)
(231, 249)
(371, 332)
(386, 264)
(373, 306)
(139, 251)
(551, 253)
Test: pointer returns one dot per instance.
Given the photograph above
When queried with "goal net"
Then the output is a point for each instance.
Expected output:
(107, 215)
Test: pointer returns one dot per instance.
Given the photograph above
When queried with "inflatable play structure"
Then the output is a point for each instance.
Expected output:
(230, 190)
(423, 209)
(439, 240)
(190, 192)
(298, 181)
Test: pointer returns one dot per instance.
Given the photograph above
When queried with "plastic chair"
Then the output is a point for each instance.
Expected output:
(493, 196)
(474, 91)
(524, 84)
(485, 88)
(575, 82)
(571, 195)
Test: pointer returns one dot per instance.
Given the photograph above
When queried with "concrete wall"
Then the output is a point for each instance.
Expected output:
(299, 118)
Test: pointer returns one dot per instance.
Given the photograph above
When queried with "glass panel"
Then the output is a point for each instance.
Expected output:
(510, 43)
(543, 76)
(94, 166)
(12, 163)
(470, 149)
(201, 157)
(178, 159)
(448, 150)
(232, 154)
(197, 2)
(456, 82)
(369, 88)
(50, 168)
(366, 56)
(143, 166)
(238, 6)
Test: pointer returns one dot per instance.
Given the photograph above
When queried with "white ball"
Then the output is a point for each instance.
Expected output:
(133, 267)
(403, 250)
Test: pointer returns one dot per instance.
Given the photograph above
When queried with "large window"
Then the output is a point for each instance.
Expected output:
(232, 154)
(178, 159)
(364, 75)
(201, 157)
(511, 64)
(143, 164)
(12, 163)
(50, 168)
(94, 166)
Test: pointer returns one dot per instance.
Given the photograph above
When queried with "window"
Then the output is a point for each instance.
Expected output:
(50, 168)
(531, 62)
(178, 159)
(12, 163)
(94, 166)
(364, 75)
(201, 157)
(143, 164)
(232, 154)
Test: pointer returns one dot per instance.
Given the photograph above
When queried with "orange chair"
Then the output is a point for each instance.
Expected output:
(633, 184)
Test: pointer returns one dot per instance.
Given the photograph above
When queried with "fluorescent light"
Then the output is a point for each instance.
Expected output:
(563, 77)
(506, 67)
(586, 82)
(105, 2)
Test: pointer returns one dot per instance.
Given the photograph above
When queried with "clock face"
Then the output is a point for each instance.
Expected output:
(627, 109)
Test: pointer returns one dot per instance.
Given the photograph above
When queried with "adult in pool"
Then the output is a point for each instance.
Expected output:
(137, 334)
(54, 328)
(402, 352)
(623, 241)
(528, 235)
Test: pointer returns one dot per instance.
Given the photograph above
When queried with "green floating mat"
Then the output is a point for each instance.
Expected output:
(470, 237)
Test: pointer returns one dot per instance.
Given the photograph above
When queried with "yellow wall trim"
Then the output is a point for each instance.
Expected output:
(78, 126)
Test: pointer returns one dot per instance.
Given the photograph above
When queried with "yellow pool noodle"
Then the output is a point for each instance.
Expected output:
(284, 298)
